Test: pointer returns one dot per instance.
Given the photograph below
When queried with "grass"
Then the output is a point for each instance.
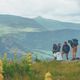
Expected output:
(64, 70)
(60, 70)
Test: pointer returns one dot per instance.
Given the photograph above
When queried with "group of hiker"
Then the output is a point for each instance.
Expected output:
(59, 51)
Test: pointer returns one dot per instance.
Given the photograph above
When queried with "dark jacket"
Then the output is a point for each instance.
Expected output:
(54, 48)
(73, 43)
(58, 48)
(66, 48)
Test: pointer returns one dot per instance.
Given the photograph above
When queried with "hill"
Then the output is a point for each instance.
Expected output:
(30, 41)
(13, 23)
(16, 22)
(34, 34)
(59, 70)
(56, 25)
(64, 70)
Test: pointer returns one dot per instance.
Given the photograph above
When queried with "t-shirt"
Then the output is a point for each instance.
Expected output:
(58, 56)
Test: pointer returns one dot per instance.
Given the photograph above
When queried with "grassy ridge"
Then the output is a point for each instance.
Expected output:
(64, 70)
(60, 70)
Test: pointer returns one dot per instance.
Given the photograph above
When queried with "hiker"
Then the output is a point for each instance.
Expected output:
(74, 44)
(58, 47)
(58, 56)
(54, 48)
(65, 49)
(56, 52)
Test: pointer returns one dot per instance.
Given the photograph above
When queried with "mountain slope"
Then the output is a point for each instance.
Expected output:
(56, 25)
(19, 22)
(33, 34)
(37, 40)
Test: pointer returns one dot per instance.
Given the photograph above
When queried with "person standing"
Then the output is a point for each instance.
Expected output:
(58, 56)
(56, 52)
(65, 49)
(59, 47)
(74, 45)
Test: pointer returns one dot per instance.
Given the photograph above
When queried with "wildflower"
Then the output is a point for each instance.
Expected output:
(5, 55)
(1, 77)
(48, 76)
(5, 58)
(1, 64)
(15, 54)
(30, 64)
(1, 70)
(29, 59)
(29, 55)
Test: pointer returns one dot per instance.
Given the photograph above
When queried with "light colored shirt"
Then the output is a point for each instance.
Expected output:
(58, 56)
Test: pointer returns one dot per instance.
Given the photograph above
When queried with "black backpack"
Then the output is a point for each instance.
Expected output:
(70, 42)
(75, 42)
(55, 48)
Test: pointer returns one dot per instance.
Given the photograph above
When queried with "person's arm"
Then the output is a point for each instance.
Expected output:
(62, 48)
(55, 56)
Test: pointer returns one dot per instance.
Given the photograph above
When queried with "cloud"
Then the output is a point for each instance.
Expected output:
(73, 19)
(32, 8)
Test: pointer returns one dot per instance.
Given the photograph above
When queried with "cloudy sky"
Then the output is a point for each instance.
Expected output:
(64, 10)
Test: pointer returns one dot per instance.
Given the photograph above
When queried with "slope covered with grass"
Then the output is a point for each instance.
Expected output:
(60, 70)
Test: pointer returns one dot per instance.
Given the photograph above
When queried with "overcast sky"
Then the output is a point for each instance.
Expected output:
(64, 10)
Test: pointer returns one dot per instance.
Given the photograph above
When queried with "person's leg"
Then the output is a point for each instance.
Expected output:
(67, 56)
(62, 54)
(73, 54)
(74, 51)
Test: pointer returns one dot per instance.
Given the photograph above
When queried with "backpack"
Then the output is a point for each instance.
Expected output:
(70, 42)
(54, 48)
(66, 48)
(75, 42)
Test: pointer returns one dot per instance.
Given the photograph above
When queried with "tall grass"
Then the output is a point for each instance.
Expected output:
(26, 69)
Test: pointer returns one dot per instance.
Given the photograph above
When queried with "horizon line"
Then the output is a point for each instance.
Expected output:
(39, 17)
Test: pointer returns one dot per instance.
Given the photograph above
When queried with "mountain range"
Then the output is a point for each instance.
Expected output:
(56, 25)
(34, 34)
